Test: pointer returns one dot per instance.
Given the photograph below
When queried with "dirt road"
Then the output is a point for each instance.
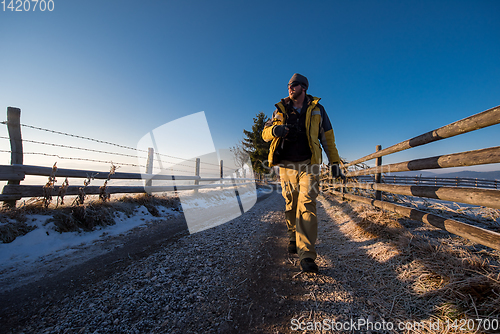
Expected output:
(234, 278)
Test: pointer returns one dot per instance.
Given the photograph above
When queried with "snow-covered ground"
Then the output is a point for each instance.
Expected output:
(45, 242)
(46, 250)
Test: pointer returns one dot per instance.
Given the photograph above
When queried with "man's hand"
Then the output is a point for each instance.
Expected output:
(280, 131)
(335, 172)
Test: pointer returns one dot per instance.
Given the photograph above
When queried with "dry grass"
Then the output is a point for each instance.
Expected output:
(436, 275)
(13, 224)
(151, 202)
(84, 217)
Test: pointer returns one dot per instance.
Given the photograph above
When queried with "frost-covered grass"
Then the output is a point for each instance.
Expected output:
(481, 216)
(420, 272)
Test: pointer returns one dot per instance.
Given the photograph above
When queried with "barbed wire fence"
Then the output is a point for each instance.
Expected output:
(166, 167)
(205, 166)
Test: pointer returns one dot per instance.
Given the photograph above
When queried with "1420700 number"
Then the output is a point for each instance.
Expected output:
(28, 5)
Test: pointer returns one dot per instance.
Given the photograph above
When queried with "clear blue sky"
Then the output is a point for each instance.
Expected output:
(386, 70)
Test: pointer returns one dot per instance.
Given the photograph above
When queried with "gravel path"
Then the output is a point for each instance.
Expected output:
(214, 281)
(234, 278)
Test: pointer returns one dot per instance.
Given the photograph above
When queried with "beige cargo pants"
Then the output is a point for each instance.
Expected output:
(300, 187)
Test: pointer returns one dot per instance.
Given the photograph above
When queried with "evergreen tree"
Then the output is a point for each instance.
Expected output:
(255, 146)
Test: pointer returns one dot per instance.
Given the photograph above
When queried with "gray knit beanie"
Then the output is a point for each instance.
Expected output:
(300, 79)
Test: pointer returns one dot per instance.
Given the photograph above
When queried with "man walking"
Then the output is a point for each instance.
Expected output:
(296, 129)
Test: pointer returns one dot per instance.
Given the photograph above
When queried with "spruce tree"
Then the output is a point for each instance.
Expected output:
(255, 146)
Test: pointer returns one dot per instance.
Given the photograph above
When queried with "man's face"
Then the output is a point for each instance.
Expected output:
(294, 90)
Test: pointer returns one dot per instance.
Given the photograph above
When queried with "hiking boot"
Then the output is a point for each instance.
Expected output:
(292, 247)
(308, 265)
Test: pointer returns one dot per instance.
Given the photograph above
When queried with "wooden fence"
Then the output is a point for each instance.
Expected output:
(358, 177)
(16, 172)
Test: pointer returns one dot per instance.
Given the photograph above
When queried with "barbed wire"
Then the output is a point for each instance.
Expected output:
(176, 170)
(216, 169)
(74, 158)
(74, 147)
(186, 173)
(94, 160)
(84, 159)
(80, 137)
(207, 163)
(162, 161)
(95, 140)
(91, 160)
(105, 161)
(101, 151)
(172, 157)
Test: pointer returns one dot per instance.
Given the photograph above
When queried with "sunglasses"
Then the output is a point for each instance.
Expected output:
(294, 84)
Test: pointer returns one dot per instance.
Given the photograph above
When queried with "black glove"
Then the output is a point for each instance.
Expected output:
(335, 172)
(280, 131)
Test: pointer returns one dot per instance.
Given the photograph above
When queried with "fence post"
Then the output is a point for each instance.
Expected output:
(149, 165)
(331, 182)
(221, 173)
(197, 173)
(343, 190)
(321, 180)
(16, 144)
(378, 176)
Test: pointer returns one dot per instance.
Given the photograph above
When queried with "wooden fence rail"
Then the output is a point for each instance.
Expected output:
(471, 232)
(471, 123)
(461, 190)
(473, 196)
(20, 191)
(17, 171)
(470, 158)
(436, 181)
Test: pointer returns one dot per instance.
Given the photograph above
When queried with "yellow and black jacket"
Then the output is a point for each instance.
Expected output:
(318, 128)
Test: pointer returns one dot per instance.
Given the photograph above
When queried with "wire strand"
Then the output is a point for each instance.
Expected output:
(96, 140)
(81, 137)
(80, 159)
(74, 147)
(100, 151)
(92, 160)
